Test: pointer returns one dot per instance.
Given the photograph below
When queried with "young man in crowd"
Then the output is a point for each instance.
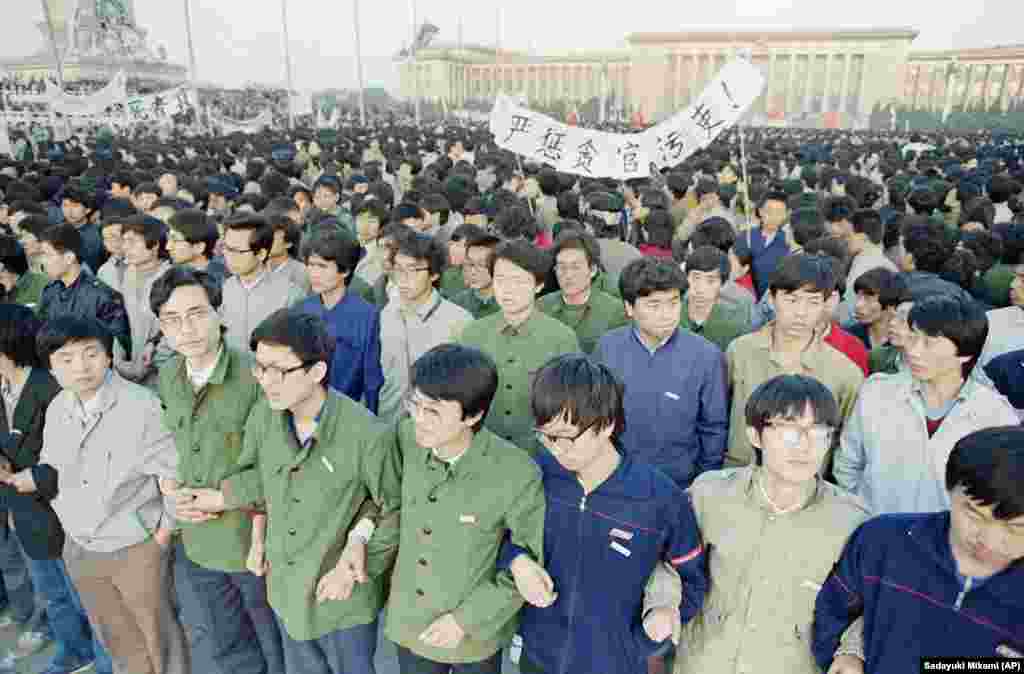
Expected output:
(834, 251)
(936, 584)
(520, 339)
(768, 242)
(616, 512)
(588, 311)
(326, 208)
(105, 449)
(773, 530)
(30, 228)
(112, 271)
(420, 320)
(799, 292)
(74, 291)
(895, 445)
(283, 256)
(143, 246)
(251, 293)
(191, 239)
(326, 582)
(707, 271)
(76, 207)
(1005, 326)
(331, 258)
(478, 269)
(18, 284)
(464, 491)
(370, 218)
(208, 391)
(894, 298)
(676, 398)
(864, 242)
(872, 320)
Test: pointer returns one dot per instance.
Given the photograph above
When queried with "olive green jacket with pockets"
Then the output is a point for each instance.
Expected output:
(313, 496)
(208, 428)
(519, 353)
(600, 314)
(766, 569)
(454, 520)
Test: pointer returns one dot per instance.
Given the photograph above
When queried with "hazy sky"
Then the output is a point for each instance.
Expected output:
(240, 40)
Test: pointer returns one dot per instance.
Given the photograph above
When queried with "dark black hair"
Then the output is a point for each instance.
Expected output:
(261, 232)
(872, 281)
(334, 246)
(12, 256)
(465, 232)
(150, 229)
(578, 239)
(64, 239)
(647, 275)
(516, 222)
(894, 293)
(928, 245)
(376, 208)
(524, 255)
(806, 229)
(484, 240)
(786, 396)
(65, 329)
(587, 392)
(569, 205)
(989, 465)
(709, 258)
(420, 246)
(962, 322)
(147, 188)
(196, 227)
(960, 268)
(839, 208)
(979, 209)
(715, 232)
(305, 334)
(658, 228)
(292, 234)
(19, 327)
(813, 273)
(179, 276)
(456, 373)
(986, 246)
(868, 222)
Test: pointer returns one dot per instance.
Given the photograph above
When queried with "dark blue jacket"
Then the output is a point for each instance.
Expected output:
(596, 623)
(677, 406)
(354, 324)
(898, 572)
(88, 297)
(1007, 374)
(765, 258)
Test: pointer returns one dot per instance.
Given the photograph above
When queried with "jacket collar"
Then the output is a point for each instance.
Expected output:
(930, 533)
(524, 329)
(472, 461)
(756, 497)
(628, 481)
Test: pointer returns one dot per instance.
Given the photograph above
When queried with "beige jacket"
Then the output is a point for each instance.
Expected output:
(766, 570)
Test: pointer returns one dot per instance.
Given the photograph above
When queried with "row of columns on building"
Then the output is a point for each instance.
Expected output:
(704, 66)
(547, 81)
(943, 71)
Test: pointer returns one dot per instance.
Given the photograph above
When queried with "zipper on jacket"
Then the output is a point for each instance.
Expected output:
(562, 667)
(963, 593)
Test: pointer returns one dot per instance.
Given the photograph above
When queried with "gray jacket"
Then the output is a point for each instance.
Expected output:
(245, 308)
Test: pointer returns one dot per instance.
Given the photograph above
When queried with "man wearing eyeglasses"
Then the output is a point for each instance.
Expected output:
(773, 531)
(207, 392)
(464, 491)
(315, 458)
(478, 297)
(419, 321)
(251, 293)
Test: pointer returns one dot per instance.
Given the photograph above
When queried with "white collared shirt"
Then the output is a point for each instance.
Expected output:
(200, 378)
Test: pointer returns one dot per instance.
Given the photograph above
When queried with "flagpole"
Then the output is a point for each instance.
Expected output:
(497, 52)
(191, 58)
(287, 61)
(359, 63)
(415, 65)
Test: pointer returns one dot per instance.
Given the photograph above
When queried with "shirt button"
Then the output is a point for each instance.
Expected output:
(296, 500)
(508, 413)
(427, 531)
(511, 360)
(291, 562)
(508, 387)
(196, 449)
(422, 562)
(419, 592)
(292, 532)
(432, 498)
(85, 483)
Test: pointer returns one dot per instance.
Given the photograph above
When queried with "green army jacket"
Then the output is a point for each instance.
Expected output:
(313, 496)
(454, 520)
(208, 426)
(600, 314)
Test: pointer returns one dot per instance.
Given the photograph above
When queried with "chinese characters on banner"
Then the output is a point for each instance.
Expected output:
(599, 154)
(156, 107)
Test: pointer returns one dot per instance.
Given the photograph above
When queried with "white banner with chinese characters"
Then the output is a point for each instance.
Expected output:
(250, 126)
(93, 104)
(162, 106)
(571, 149)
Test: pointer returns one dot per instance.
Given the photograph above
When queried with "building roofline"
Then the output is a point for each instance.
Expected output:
(773, 34)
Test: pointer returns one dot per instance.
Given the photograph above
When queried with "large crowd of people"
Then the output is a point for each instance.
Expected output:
(265, 400)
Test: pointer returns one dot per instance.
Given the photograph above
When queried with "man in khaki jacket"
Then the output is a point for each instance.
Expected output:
(773, 531)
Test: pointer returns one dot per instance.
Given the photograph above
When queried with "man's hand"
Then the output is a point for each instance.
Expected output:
(533, 582)
(168, 487)
(256, 562)
(661, 624)
(198, 505)
(163, 537)
(353, 560)
(846, 664)
(443, 633)
(22, 482)
(336, 585)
